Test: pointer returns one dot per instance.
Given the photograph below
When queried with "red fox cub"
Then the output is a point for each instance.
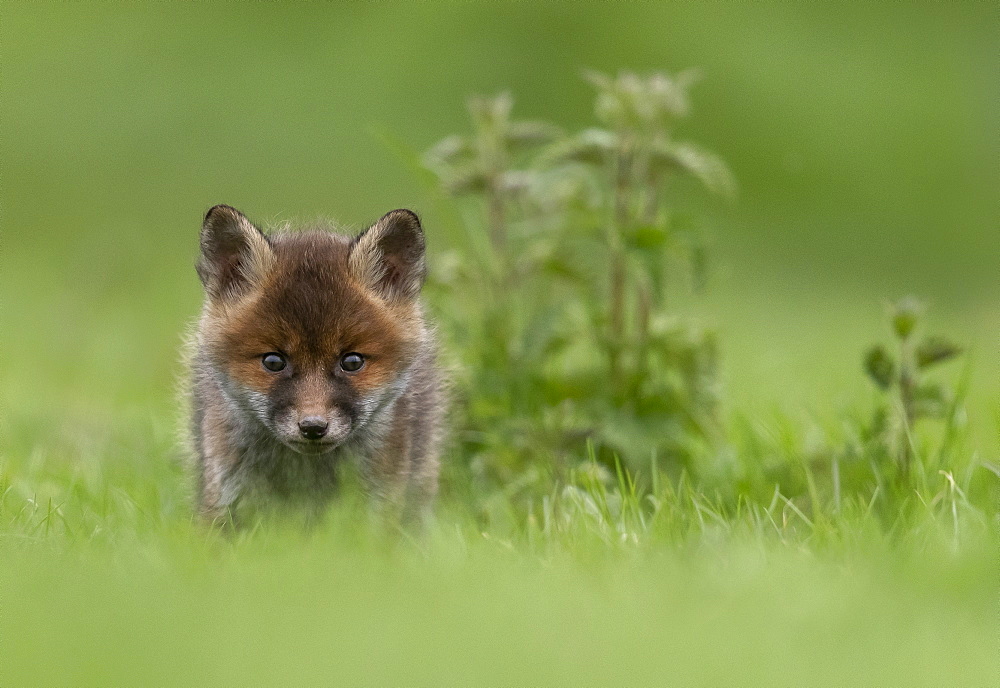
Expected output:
(312, 348)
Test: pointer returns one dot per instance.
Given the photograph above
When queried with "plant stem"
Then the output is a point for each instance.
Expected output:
(644, 307)
(617, 277)
(497, 218)
(652, 198)
(616, 320)
(907, 394)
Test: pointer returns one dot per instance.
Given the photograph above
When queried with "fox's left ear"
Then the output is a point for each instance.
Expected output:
(388, 257)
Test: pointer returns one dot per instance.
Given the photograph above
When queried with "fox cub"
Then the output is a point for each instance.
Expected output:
(312, 348)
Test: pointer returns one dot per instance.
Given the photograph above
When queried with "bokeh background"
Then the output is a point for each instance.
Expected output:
(864, 139)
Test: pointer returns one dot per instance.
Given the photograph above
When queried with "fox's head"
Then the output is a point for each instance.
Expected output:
(311, 333)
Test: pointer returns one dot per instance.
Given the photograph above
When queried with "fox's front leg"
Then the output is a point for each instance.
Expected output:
(402, 477)
(213, 507)
(385, 477)
(217, 489)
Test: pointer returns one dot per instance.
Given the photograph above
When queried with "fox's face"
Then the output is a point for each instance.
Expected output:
(311, 334)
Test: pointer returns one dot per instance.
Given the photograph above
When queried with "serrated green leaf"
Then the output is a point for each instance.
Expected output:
(934, 350)
(592, 146)
(705, 166)
(447, 151)
(490, 111)
(880, 367)
(465, 181)
(527, 133)
(670, 94)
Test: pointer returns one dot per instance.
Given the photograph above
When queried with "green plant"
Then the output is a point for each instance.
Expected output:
(909, 396)
(575, 251)
(482, 162)
(660, 368)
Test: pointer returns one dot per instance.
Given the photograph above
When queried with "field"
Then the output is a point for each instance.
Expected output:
(723, 495)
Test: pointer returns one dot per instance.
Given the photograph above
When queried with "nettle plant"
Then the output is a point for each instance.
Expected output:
(575, 253)
(909, 396)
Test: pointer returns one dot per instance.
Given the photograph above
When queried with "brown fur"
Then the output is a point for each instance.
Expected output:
(313, 296)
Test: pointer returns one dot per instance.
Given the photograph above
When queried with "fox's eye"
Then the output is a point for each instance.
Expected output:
(274, 362)
(352, 362)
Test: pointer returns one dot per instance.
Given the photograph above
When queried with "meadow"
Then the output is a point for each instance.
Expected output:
(700, 435)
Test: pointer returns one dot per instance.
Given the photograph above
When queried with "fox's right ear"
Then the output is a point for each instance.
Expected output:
(234, 253)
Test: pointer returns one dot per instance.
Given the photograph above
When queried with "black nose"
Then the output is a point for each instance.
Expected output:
(313, 427)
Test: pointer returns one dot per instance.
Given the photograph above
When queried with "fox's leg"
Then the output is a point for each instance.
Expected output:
(402, 473)
(385, 475)
(217, 486)
(213, 505)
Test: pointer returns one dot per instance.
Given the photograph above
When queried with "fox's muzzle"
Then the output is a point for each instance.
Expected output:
(313, 427)
(314, 431)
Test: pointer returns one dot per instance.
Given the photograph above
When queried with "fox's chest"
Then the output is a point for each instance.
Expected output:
(281, 477)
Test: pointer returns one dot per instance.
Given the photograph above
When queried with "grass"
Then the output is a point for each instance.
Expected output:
(283, 612)
(595, 581)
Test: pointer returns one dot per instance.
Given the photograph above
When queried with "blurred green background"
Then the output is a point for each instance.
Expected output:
(864, 139)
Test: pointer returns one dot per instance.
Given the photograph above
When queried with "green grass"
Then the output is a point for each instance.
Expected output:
(107, 581)
(281, 612)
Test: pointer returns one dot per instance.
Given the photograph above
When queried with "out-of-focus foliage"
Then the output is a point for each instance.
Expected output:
(568, 339)
(909, 396)
(572, 338)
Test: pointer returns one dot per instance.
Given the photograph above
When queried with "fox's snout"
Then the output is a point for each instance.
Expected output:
(316, 412)
(331, 427)
(313, 427)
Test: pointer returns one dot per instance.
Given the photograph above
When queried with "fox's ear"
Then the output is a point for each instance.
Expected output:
(388, 257)
(234, 253)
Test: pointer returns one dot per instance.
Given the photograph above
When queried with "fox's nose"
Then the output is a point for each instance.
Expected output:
(313, 427)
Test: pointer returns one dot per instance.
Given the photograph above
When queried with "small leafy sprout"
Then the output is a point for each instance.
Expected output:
(905, 314)
(902, 378)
